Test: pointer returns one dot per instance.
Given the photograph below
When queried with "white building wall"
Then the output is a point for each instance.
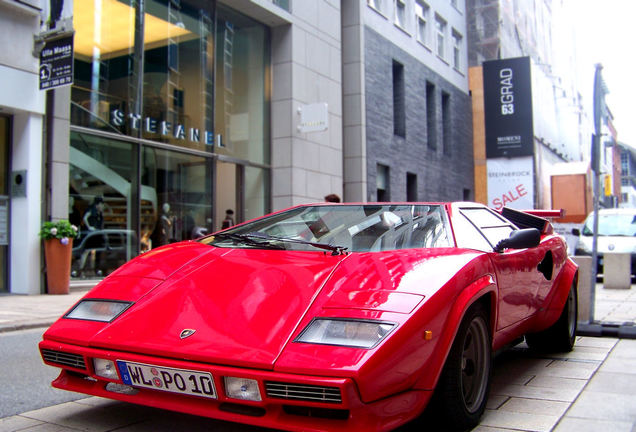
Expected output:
(307, 69)
(23, 102)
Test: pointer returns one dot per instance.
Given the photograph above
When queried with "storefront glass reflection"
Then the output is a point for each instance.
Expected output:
(182, 184)
(150, 74)
(100, 178)
(242, 87)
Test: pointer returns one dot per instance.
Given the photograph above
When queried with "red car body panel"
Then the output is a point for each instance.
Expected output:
(248, 306)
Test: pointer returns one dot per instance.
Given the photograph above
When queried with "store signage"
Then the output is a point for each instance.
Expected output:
(313, 118)
(164, 128)
(56, 63)
(508, 108)
(510, 183)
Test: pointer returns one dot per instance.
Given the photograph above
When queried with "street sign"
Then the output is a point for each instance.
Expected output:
(56, 63)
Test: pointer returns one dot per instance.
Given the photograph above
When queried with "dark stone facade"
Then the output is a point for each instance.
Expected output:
(444, 172)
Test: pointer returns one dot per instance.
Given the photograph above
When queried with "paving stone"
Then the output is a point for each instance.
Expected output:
(587, 341)
(519, 421)
(529, 392)
(490, 429)
(14, 423)
(495, 401)
(557, 383)
(625, 348)
(570, 424)
(619, 365)
(604, 406)
(535, 406)
(88, 418)
(570, 369)
(616, 383)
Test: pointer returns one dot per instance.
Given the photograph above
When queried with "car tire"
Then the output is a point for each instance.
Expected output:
(462, 391)
(560, 336)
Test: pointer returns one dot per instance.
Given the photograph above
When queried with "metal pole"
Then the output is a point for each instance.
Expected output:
(599, 99)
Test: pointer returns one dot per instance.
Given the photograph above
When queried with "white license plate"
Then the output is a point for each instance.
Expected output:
(195, 383)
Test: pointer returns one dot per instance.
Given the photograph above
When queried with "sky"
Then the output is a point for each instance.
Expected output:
(606, 34)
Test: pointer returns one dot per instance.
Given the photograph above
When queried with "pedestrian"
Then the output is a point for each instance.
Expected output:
(332, 198)
(229, 219)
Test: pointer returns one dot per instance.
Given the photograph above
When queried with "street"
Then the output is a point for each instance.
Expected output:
(591, 386)
(25, 380)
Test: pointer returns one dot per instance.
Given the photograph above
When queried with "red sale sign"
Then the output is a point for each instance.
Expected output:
(510, 183)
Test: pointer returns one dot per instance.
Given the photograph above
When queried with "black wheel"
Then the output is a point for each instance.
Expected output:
(462, 391)
(561, 335)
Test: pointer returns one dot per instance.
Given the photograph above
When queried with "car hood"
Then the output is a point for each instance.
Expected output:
(243, 305)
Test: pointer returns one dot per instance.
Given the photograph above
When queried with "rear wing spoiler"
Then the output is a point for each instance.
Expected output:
(532, 218)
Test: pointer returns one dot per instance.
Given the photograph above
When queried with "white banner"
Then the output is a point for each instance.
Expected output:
(510, 183)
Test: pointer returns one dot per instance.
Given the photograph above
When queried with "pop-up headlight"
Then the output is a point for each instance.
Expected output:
(345, 332)
(98, 310)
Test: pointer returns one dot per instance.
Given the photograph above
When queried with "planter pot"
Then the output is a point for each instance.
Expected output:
(58, 265)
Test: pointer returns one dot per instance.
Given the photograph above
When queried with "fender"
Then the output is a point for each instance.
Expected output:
(553, 306)
(477, 290)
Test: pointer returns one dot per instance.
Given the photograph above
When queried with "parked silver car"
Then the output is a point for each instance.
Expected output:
(616, 234)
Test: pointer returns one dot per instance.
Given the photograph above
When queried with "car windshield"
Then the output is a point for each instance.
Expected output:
(341, 228)
(612, 224)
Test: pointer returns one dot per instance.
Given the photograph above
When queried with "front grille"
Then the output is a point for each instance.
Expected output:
(64, 358)
(303, 392)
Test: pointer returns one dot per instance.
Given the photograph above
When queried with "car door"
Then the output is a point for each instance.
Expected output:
(516, 271)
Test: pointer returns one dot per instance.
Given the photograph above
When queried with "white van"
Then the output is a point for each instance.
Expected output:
(616, 234)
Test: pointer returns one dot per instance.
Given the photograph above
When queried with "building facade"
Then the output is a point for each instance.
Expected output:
(501, 30)
(407, 109)
(628, 175)
(187, 115)
(182, 114)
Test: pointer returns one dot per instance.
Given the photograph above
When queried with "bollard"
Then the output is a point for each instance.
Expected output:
(617, 269)
(584, 289)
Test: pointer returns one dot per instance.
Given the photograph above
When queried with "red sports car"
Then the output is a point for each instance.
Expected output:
(325, 317)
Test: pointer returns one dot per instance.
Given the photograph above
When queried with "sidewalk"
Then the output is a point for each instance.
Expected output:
(590, 389)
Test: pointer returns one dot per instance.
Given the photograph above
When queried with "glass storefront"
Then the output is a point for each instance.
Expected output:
(170, 125)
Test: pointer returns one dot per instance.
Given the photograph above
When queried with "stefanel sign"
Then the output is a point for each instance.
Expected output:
(508, 108)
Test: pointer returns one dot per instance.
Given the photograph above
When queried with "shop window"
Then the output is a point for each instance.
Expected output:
(101, 176)
(162, 87)
(183, 203)
(242, 87)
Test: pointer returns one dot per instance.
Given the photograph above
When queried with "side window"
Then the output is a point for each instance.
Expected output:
(467, 236)
(488, 228)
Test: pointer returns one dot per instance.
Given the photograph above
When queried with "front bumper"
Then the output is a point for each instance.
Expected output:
(317, 410)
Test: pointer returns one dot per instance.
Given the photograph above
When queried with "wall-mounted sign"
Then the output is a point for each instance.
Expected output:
(508, 108)
(313, 118)
(510, 183)
(56, 63)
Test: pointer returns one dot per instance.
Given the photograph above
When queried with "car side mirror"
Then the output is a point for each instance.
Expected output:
(520, 239)
(576, 232)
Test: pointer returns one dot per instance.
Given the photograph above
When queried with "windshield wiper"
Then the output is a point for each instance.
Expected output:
(248, 239)
(335, 250)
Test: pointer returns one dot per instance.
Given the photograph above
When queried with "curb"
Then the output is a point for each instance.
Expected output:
(620, 331)
(8, 328)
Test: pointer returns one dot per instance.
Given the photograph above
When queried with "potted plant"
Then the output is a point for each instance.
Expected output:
(58, 246)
